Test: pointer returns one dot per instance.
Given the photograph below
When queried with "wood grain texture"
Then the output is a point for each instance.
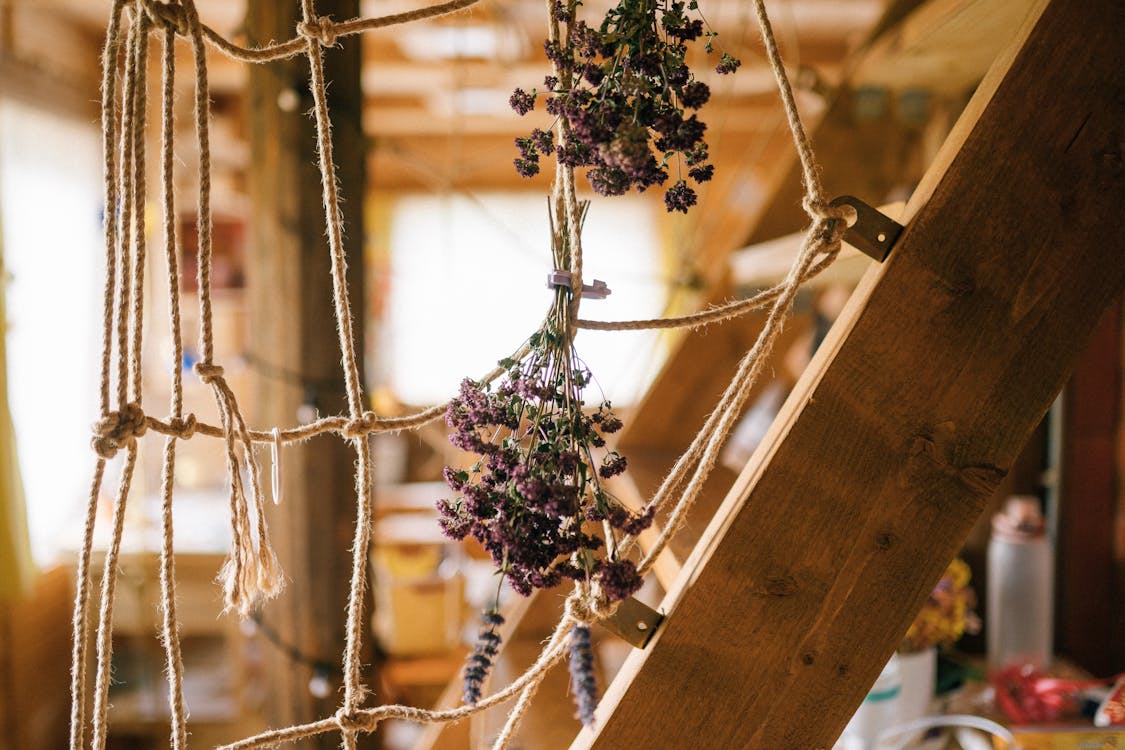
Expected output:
(908, 417)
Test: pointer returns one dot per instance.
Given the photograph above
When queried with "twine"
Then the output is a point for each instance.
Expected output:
(251, 571)
(169, 630)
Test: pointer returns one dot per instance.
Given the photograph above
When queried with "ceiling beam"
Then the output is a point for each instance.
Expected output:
(943, 46)
(906, 420)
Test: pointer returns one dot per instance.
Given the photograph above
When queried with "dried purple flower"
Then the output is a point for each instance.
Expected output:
(680, 197)
(727, 64)
(526, 167)
(522, 102)
(619, 579)
(583, 683)
(623, 88)
(612, 465)
(695, 95)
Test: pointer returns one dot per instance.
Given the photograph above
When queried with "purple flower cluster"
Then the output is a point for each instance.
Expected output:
(624, 90)
(479, 662)
(583, 682)
(534, 498)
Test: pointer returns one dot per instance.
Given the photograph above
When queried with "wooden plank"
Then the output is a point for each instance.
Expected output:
(907, 418)
(289, 292)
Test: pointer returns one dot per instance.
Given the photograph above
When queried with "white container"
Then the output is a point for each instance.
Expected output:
(918, 671)
(879, 711)
(1020, 587)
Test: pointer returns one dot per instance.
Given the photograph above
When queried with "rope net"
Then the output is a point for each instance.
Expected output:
(251, 573)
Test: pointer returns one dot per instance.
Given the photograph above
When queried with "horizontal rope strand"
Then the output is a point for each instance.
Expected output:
(327, 31)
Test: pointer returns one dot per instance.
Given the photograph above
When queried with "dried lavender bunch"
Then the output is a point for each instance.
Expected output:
(583, 683)
(534, 497)
(625, 89)
(479, 662)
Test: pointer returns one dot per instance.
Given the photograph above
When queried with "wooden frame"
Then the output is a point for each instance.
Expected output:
(919, 400)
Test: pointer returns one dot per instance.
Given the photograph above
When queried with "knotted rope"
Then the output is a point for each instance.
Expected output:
(251, 571)
(320, 30)
(118, 429)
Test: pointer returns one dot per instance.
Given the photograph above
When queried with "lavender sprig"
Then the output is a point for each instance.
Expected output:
(583, 683)
(479, 662)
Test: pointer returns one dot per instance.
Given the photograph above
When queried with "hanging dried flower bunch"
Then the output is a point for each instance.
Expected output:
(534, 497)
(625, 90)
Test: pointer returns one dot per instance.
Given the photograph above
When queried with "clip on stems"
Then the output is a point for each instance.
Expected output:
(597, 290)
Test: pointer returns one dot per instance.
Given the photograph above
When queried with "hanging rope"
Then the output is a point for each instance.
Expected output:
(251, 571)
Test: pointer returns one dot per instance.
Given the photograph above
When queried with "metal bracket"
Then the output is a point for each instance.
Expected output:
(597, 290)
(634, 622)
(873, 233)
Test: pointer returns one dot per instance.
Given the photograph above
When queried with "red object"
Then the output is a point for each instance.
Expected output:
(1027, 696)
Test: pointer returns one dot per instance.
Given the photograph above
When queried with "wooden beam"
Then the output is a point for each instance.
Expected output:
(944, 45)
(919, 399)
(294, 332)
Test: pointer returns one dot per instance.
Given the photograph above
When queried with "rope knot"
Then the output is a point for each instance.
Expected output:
(351, 721)
(587, 606)
(118, 429)
(183, 426)
(207, 372)
(358, 427)
(831, 222)
(822, 210)
(166, 15)
(319, 29)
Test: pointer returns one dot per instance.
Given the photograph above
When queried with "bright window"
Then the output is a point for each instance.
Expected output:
(50, 204)
(468, 287)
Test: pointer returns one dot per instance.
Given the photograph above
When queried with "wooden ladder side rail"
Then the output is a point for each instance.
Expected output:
(912, 411)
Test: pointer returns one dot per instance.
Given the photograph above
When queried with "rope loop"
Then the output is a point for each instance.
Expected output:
(359, 427)
(207, 372)
(820, 209)
(166, 15)
(118, 429)
(351, 721)
(320, 29)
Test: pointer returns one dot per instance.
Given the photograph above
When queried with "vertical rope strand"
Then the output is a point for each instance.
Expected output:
(138, 197)
(354, 692)
(110, 53)
(250, 574)
(100, 728)
(124, 212)
(170, 635)
(813, 191)
(80, 622)
(331, 198)
(202, 111)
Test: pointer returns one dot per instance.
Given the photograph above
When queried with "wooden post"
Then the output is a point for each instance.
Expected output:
(910, 414)
(294, 344)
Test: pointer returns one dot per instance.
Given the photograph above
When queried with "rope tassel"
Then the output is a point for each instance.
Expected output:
(251, 572)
